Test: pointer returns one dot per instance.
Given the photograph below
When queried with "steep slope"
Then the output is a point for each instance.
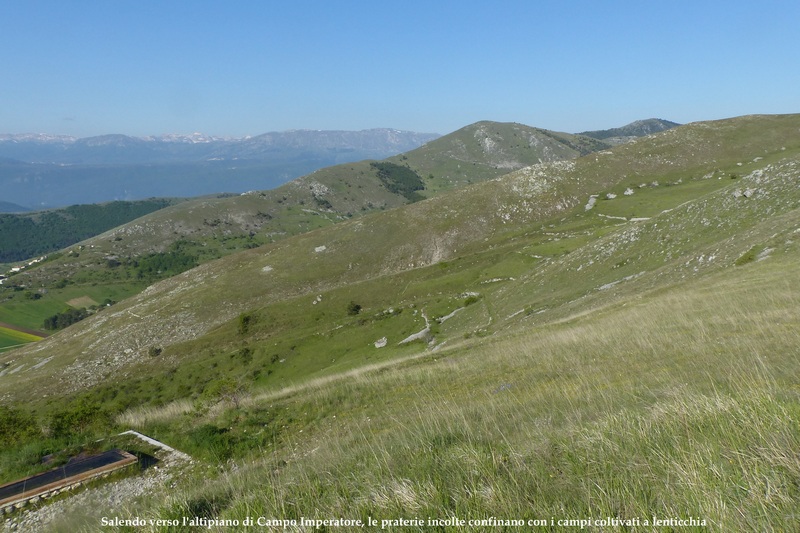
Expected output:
(525, 243)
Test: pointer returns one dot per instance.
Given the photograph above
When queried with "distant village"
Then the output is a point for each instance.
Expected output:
(20, 268)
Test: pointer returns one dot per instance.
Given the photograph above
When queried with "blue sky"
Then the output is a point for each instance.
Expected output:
(247, 67)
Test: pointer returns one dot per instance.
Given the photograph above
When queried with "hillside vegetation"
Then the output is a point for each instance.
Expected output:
(611, 336)
(33, 234)
(212, 227)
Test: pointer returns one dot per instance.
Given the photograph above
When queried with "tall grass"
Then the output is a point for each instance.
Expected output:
(682, 404)
(141, 416)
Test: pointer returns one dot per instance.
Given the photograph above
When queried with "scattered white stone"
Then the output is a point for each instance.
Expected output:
(380, 343)
(319, 249)
(628, 191)
(41, 363)
(611, 196)
(512, 315)
(612, 217)
(318, 189)
(765, 253)
(737, 193)
(591, 202)
(448, 317)
(416, 336)
(748, 193)
(654, 183)
(266, 269)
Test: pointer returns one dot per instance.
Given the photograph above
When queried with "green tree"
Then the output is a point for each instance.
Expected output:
(353, 308)
(245, 321)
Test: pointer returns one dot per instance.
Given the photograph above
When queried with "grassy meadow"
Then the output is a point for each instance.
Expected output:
(683, 403)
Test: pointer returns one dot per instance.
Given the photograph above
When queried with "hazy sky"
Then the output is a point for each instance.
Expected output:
(248, 67)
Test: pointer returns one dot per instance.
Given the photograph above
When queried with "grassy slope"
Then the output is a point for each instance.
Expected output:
(487, 150)
(624, 412)
(215, 227)
(681, 402)
(516, 227)
(610, 339)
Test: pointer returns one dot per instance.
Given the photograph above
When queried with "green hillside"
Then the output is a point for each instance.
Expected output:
(212, 227)
(630, 131)
(34, 234)
(610, 336)
(486, 150)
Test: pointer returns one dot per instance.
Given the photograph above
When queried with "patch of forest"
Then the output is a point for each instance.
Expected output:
(27, 235)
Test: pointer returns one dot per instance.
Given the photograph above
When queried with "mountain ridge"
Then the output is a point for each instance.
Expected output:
(198, 146)
(8, 207)
(637, 128)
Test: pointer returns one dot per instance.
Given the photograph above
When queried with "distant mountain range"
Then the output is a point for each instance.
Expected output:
(42, 171)
(338, 146)
(8, 207)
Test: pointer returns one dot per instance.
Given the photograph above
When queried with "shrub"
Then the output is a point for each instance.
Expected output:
(212, 440)
(245, 321)
(469, 300)
(246, 354)
(323, 203)
(353, 308)
(78, 417)
(748, 257)
(15, 426)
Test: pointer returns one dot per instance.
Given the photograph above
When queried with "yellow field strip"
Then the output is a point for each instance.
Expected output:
(18, 335)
